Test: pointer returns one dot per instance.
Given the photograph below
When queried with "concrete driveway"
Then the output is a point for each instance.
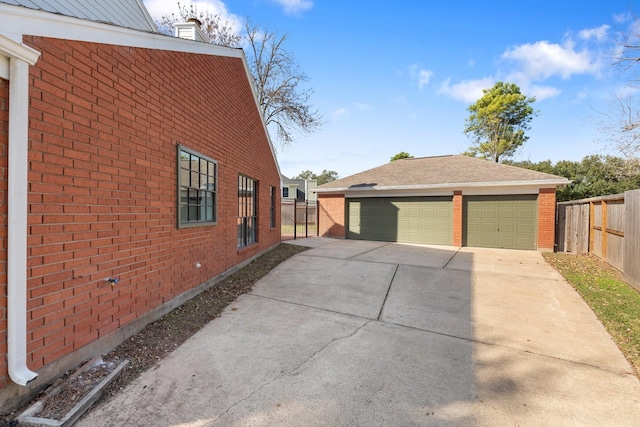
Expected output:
(356, 333)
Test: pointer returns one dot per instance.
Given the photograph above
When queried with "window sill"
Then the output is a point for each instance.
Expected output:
(196, 224)
(249, 248)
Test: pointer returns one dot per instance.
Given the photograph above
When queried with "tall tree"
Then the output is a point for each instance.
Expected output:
(284, 102)
(498, 122)
(401, 155)
(323, 178)
(621, 124)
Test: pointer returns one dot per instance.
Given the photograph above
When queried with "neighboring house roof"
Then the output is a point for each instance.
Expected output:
(124, 13)
(440, 172)
(287, 181)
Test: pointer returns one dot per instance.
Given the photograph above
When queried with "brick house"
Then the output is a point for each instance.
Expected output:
(128, 155)
(446, 200)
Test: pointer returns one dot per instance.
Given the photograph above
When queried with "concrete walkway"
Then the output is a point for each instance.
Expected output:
(356, 333)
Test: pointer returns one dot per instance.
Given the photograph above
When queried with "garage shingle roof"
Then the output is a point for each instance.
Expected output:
(440, 172)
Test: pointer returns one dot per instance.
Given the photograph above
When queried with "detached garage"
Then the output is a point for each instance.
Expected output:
(446, 200)
(401, 219)
(508, 222)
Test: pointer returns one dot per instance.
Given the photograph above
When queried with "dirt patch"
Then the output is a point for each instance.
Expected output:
(160, 338)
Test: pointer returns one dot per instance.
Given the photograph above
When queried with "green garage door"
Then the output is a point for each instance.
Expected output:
(508, 222)
(401, 219)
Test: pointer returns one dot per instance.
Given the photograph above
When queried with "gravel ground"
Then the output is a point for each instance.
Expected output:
(160, 338)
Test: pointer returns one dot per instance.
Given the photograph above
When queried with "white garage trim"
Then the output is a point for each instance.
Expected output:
(412, 193)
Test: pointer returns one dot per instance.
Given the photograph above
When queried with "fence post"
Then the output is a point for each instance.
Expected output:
(631, 266)
(295, 219)
(306, 218)
(604, 230)
(592, 236)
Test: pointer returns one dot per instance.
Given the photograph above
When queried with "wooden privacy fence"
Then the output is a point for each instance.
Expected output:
(607, 226)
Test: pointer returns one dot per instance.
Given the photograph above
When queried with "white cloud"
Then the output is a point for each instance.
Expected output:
(626, 91)
(294, 6)
(363, 106)
(599, 33)
(423, 78)
(541, 60)
(467, 90)
(420, 75)
(531, 65)
(621, 18)
(159, 8)
(340, 113)
(541, 92)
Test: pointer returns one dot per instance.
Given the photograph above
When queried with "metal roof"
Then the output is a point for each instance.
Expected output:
(441, 172)
(124, 13)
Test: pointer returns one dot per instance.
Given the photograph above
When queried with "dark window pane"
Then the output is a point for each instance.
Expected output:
(193, 213)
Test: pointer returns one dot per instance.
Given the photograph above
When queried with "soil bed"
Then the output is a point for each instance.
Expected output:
(145, 349)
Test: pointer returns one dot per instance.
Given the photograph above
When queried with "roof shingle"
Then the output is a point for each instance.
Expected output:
(441, 171)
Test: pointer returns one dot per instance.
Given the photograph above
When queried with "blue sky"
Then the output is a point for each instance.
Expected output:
(399, 76)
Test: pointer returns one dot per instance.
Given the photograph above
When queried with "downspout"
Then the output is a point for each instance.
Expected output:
(20, 57)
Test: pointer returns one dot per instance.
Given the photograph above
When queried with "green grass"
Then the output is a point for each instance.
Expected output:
(615, 302)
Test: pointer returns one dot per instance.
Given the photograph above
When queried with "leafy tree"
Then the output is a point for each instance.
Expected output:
(401, 155)
(284, 103)
(498, 122)
(323, 178)
(594, 176)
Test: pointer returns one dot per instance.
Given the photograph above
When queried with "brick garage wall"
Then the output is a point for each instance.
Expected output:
(457, 218)
(331, 215)
(4, 141)
(104, 125)
(546, 219)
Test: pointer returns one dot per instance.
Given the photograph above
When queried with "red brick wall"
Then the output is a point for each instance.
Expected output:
(457, 218)
(546, 219)
(104, 125)
(4, 130)
(331, 215)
